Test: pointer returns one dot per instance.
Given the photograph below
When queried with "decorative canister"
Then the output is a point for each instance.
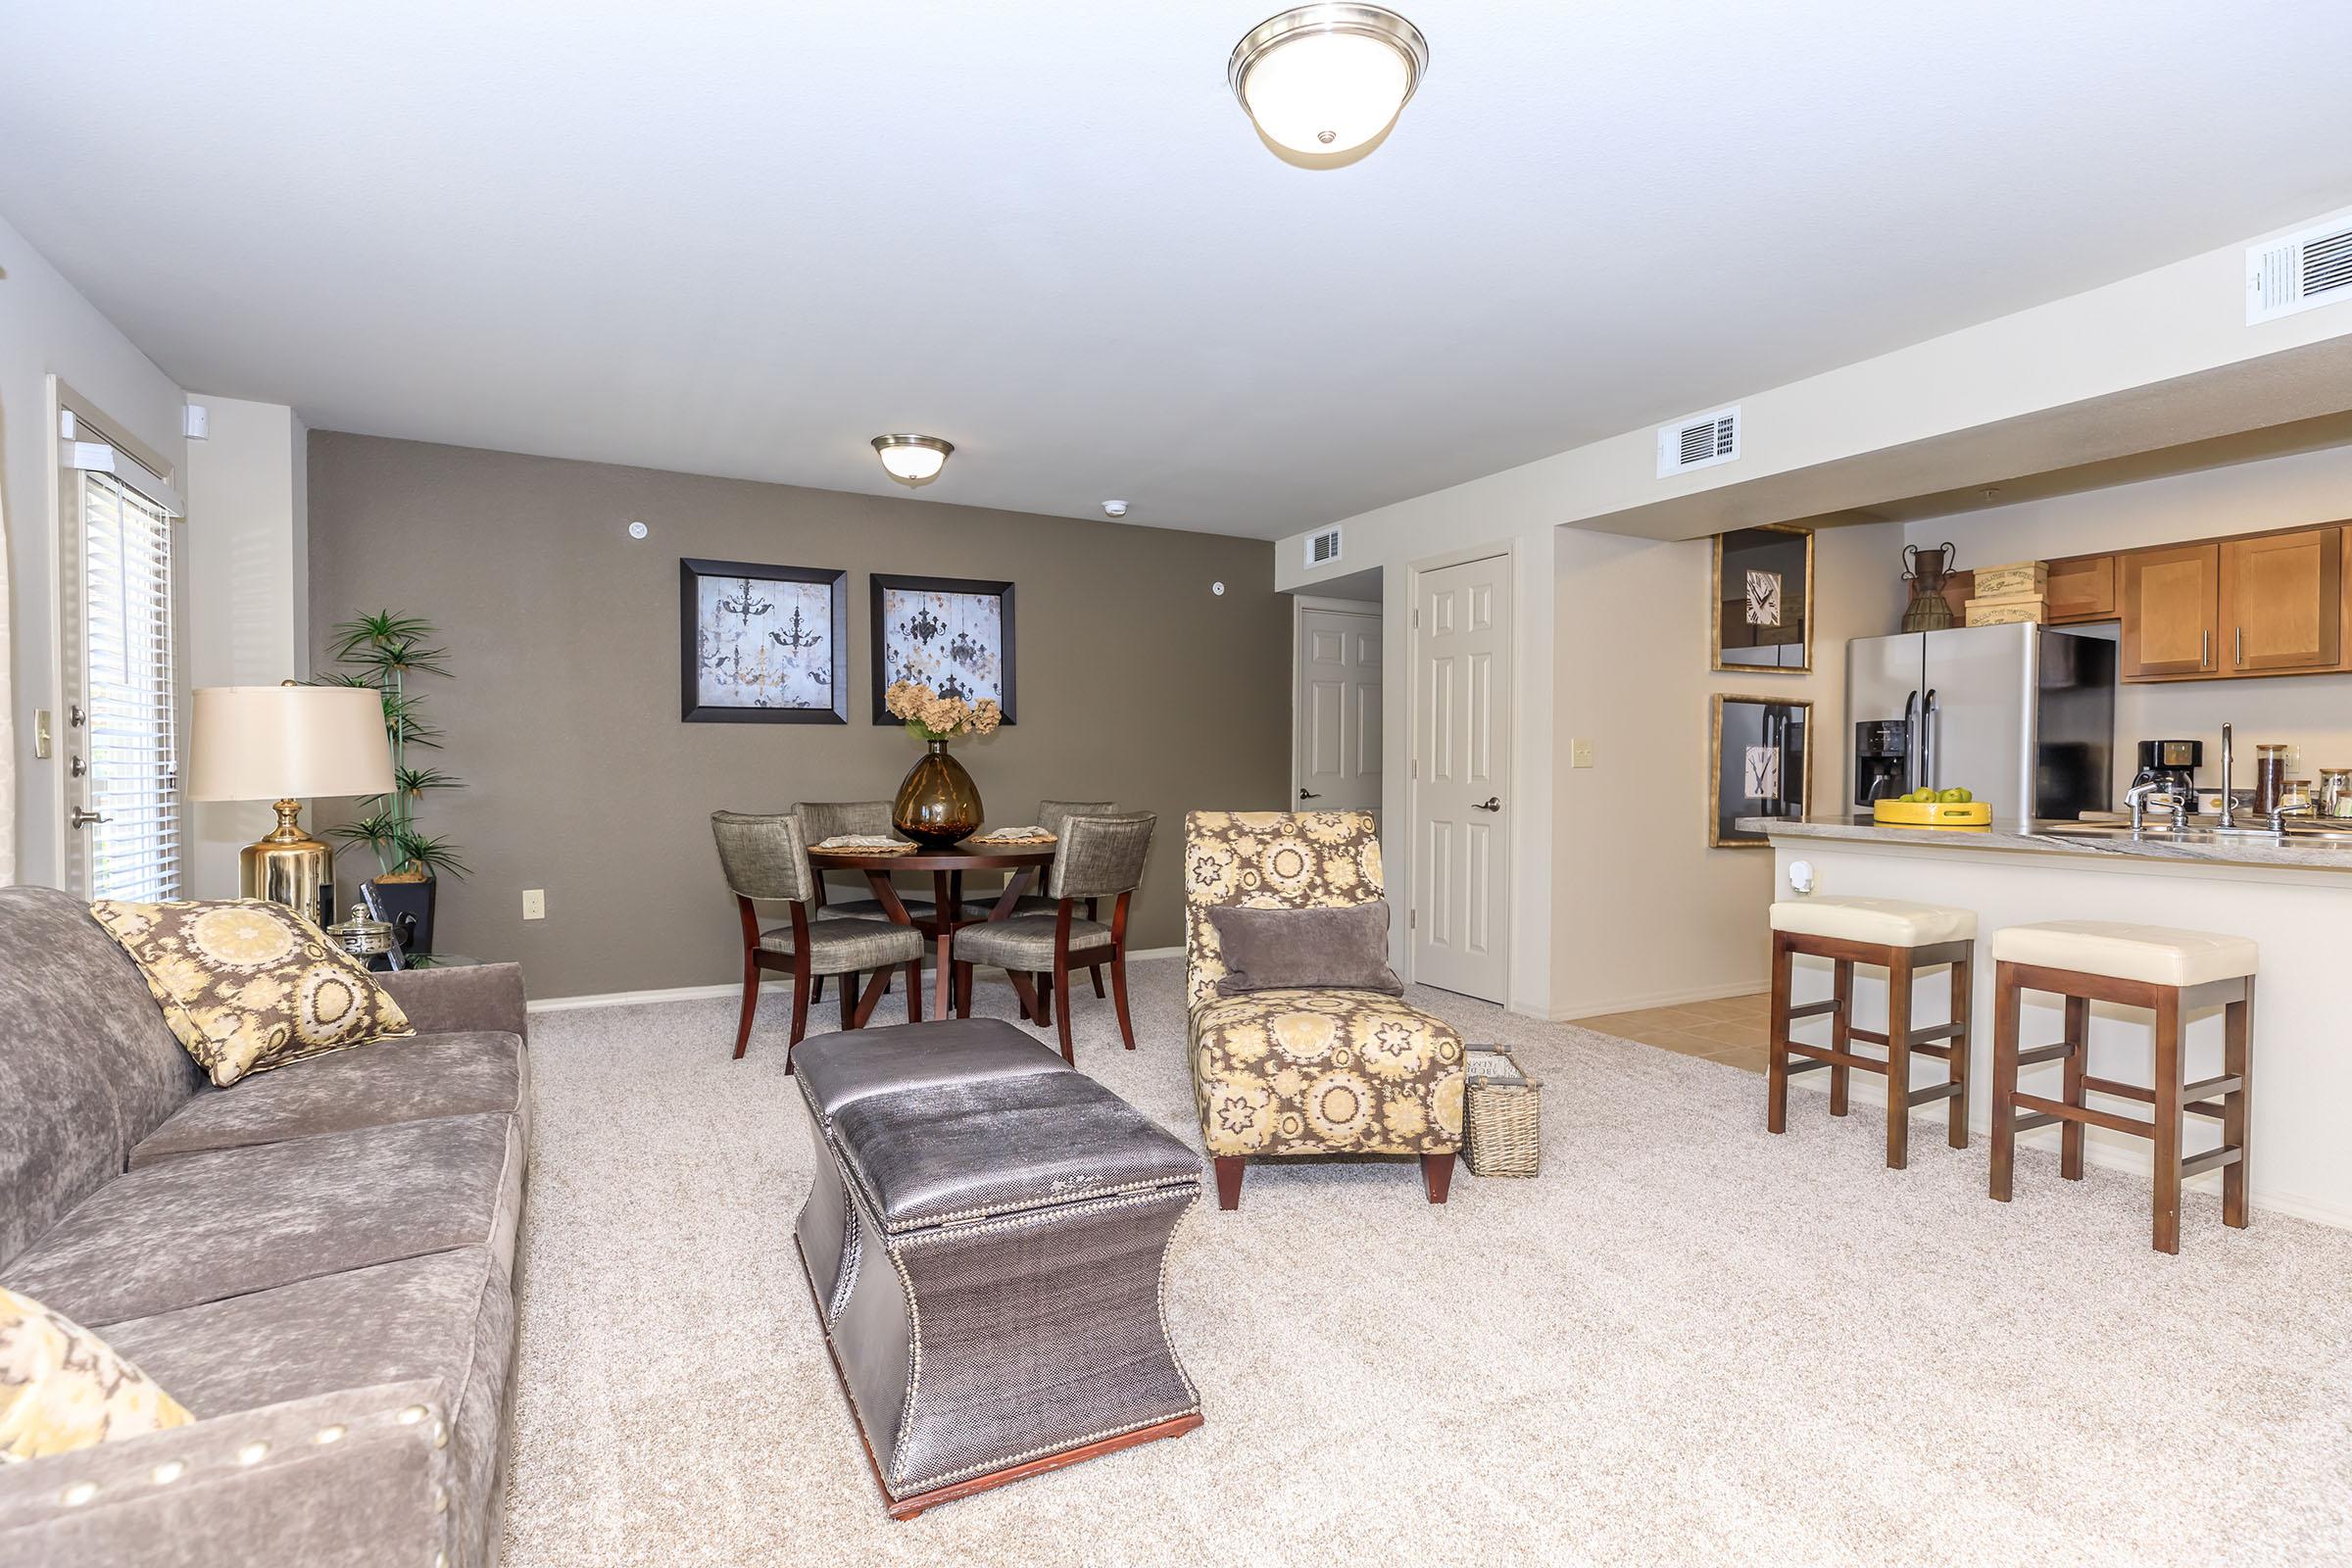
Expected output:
(363, 937)
(2335, 793)
(1926, 570)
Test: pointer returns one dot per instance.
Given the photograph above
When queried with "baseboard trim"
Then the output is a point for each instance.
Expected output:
(635, 999)
(1654, 998)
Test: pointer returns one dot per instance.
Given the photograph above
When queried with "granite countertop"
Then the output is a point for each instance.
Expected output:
(2305, 851)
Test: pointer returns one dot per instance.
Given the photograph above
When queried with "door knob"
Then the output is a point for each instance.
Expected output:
(1308, 795)
(1492, 802)
(82, 818)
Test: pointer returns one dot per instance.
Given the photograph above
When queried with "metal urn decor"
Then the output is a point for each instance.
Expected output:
(1926, 570)
(938, 805)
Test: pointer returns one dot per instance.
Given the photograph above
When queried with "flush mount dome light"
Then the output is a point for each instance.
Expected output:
(913, 459)
(1326, 79)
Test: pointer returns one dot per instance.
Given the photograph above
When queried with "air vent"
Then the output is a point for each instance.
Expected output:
(1700, 443)
(1322, 549)
(2299, 272)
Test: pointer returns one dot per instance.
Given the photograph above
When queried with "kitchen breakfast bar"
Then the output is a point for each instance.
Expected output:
(2291, 895)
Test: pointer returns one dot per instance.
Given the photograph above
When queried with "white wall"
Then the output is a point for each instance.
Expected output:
(1647, 914)
(47, 328)
(246, 553)
(2313, 712)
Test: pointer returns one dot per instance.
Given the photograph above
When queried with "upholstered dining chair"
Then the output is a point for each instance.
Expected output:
(1050, 816)
(1099, 857)
(765, 859)
(1306, 1071)
(824, 819)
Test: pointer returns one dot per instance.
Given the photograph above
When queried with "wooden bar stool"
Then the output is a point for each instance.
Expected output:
(2173, 973)
(1902, 938)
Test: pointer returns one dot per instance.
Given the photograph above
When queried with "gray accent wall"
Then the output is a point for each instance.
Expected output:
(1136, 684)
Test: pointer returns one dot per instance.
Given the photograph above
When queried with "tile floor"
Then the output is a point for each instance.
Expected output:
(1728, 1029)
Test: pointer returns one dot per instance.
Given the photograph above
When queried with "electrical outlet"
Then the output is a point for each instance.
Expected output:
(1579, 754)
(534, 903)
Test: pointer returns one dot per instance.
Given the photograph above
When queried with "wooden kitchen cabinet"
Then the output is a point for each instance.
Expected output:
(2170, 600)
(2080, 588)
(2282, 602)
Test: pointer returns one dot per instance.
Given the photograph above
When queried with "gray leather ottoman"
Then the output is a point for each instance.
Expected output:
(984, 1241)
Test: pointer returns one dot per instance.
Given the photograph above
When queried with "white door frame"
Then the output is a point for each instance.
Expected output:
(1301, 604)
(1413, 572)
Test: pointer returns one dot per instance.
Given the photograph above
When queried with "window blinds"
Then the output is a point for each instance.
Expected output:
(132, 721)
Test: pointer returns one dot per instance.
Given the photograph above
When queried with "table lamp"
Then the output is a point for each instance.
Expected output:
(286, 743)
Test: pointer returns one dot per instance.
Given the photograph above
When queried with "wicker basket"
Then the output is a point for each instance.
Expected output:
(1504, 1110)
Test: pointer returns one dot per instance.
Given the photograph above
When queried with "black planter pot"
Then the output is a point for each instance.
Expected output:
(410, 906)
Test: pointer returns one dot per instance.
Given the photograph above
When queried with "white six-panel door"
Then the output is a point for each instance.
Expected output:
(1462, 760)
(1336, 752)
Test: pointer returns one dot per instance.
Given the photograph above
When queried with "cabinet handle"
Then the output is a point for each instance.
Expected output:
(2205, 650)
(2242, 647)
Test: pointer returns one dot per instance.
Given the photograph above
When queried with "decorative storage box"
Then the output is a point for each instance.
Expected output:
(2007, 611)
(2020, 579)
(1503, 1112)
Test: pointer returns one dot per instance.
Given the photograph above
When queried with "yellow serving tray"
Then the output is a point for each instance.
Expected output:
(1932, 814)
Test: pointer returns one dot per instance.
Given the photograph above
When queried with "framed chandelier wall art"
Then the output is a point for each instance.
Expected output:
(762, 645)
(952, 634)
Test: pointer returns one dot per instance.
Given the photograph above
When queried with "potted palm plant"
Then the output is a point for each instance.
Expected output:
(381, 652)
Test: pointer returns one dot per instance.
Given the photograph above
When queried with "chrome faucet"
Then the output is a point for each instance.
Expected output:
(2280, 814)
(2137, 798)
(2229, 817)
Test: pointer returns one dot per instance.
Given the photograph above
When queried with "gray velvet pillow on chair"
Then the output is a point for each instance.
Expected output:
(1312, 949)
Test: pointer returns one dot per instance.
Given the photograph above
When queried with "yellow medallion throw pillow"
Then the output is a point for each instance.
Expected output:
(248, 985)
(60, 1388)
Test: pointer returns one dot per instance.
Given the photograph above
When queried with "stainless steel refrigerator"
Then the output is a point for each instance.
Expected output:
(2023, 717)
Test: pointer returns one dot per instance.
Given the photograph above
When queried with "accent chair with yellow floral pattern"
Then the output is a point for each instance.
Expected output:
(1306, 1071)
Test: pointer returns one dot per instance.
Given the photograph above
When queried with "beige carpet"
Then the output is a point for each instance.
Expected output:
(1688, 1342)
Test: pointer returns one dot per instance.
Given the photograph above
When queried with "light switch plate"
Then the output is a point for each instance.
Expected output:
(1579, 754)
(534, 903)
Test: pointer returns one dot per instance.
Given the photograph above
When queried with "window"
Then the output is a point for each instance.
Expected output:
(129, 808)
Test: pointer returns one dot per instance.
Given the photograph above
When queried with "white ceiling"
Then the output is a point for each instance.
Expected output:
(743, 240)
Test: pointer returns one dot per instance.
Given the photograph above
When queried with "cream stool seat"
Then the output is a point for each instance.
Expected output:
(2153, 955)
(1883, 923)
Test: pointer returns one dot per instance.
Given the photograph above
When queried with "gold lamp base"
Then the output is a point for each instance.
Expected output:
(287, 865)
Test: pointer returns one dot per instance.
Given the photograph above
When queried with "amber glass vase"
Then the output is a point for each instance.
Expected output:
(938, 804)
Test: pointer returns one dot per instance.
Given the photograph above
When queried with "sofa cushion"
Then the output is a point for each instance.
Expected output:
(446, 1315)
(63, 1387)
(391, 1081)
(202, 1228)
(1293, 1073)
(247, 984)
(87, 1066)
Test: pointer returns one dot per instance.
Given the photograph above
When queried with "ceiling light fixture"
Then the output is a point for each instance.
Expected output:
(1325, 80)
(915, 460)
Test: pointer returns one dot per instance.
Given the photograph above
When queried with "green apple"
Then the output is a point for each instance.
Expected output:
(1952, 797)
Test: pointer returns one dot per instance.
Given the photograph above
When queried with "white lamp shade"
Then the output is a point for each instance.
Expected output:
(1327, 92)
(269, 743)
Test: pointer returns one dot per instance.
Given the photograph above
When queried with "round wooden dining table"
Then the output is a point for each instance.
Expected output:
(947, 867)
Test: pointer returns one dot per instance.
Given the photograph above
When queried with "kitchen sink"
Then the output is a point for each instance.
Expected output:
(2196, 835)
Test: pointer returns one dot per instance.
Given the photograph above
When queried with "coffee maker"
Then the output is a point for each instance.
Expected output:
(2171, 766)
(1882, 759)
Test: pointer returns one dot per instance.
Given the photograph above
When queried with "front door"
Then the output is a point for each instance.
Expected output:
(1336, 749)
(1461, 761)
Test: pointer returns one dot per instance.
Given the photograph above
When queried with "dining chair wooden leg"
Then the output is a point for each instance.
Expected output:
(1118, 997)
(1043, 1013)
(915, 991)
(1061, 1010)
(868, 1000)
(963, 989)
(849, 1000)
(801, 979)
(751, 1002)
(817, 991)
(1095, 973)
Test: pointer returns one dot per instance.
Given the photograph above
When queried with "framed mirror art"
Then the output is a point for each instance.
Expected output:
(1759, 764)
(1760, 605)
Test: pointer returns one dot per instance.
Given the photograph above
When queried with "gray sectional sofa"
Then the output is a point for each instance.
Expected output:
(317, 1262)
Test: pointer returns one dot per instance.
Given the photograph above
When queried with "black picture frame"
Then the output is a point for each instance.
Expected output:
(1779, 730)
(692, 710)
(1777, 557)
(882, 657)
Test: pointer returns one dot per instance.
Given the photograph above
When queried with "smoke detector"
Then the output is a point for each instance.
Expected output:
(1114, 509)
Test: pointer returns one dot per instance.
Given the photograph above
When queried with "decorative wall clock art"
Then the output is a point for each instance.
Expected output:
(762, 645)
(1758, 764)
(952, 634)
(1760, 602)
